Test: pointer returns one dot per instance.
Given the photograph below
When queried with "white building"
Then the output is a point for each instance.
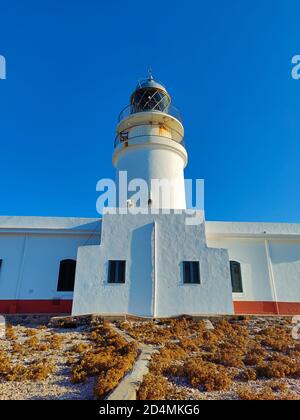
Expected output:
(151, 264)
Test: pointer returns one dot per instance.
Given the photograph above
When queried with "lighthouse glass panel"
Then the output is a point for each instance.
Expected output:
(150, 100)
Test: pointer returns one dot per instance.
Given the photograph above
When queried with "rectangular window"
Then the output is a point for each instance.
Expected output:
(191, 272)
(116, 271)
(236, 277)
(66, 279)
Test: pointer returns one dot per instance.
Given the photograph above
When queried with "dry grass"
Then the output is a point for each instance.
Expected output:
(109, 358)
(254, 359)
(277, 338)
(36, 370)
(266, 393)
(104, 354)
(279, 366)
(23, 362)
(154, 387)
(206, 376)
(10, 333)
(238, 349)
(248, 374)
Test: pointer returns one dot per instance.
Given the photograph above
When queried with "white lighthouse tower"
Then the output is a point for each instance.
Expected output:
(153, 263)
(149, 146)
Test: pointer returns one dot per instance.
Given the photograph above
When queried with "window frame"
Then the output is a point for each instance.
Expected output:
(240, 289)
(118, 268)
(194, 272)
(66, 285)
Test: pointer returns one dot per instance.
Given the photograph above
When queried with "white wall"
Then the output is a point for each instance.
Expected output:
(178, 242)
(269, 254)
(11, 251)
(31, 254)
(155, 158)
(251, 254)
(285, 258)
(154, 247)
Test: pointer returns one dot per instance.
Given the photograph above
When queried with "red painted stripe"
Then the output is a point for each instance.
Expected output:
(289, 308)
(51, 306)
(257, 308)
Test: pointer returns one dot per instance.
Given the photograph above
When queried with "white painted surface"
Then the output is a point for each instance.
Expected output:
(153, 152)
(285, 257)
(131, 238)
(32, 248)
(243, 229)
(250, 253)
(50, 224)
(246, 242)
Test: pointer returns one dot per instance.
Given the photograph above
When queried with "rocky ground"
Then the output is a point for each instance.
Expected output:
(31, 344)
(57, 384)
(233, 358)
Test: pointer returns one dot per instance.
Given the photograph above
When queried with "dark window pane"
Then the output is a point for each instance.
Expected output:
(196, 272)
(116, 271)
(186, 272)
(112, 271)
(236, 277)
(66, 278)
(191, 272)
(121, 272)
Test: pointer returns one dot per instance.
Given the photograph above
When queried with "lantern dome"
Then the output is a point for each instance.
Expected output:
(150, 95)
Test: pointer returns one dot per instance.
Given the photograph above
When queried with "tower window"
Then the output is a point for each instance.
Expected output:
(123, 136)
(116, 271)
(191, 272)
(66, 277)
(236, 277)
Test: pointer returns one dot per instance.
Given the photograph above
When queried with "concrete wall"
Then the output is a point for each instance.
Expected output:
(149, 163)
(31, 250)
(285, 258)
(154, 152)
(154, 247)
(269, 254)
(251, 254)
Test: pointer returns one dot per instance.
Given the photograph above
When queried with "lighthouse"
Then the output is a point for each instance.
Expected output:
(152, 263)
(149, 145)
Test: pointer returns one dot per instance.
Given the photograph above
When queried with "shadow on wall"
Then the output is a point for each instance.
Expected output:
(141, 270)
(282, 253)
(93, 226)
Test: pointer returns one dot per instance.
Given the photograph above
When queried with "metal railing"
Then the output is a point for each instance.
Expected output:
(124, 137)
(170, 110)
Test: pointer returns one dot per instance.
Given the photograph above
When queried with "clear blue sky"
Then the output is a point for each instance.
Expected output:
(72, 64)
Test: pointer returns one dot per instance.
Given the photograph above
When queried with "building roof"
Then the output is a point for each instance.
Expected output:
(78, 225)
(36, 223)
(250, 229)
(150, 83)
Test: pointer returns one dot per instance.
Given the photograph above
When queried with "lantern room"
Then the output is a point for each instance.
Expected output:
(150, 95)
